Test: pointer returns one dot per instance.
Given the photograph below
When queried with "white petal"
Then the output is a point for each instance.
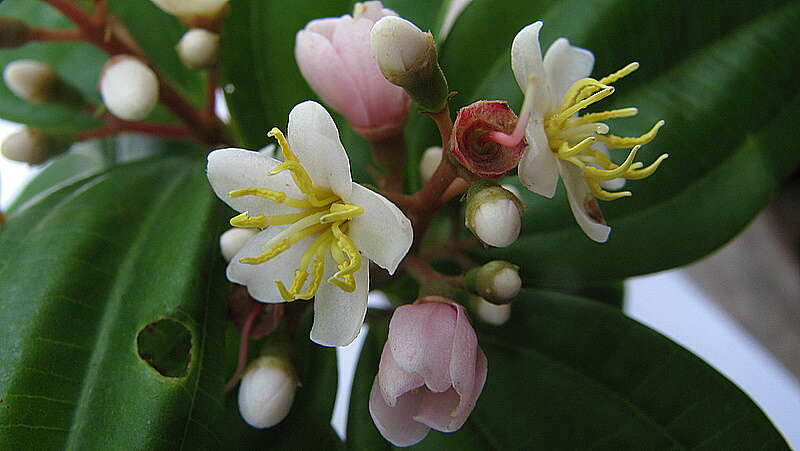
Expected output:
(382, 233)
(314, 137)
(565, 64)
(260, 279)
(583, 204)
(538, 168)
(231, 169)
(526, 62)
(338, 315)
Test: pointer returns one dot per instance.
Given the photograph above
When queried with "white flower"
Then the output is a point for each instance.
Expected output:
(561, 143)
(317, 224)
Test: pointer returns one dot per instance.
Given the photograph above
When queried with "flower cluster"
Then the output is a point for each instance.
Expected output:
(307, 235)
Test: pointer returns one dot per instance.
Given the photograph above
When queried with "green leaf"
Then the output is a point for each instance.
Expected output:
(78, 64)
(714, 82)
(571, 373)
(83, 271)
(308, 425)
(258, 62)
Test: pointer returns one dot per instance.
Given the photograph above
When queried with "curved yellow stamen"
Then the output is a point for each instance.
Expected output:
(572, 138)
(322, 214)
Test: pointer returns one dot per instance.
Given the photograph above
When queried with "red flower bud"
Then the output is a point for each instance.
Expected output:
(472, 143)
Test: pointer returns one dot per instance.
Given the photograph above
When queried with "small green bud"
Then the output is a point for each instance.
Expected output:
(497, 281)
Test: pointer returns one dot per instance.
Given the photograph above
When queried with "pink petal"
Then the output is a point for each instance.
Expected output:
(436, 411)
(328, 76)
(421, 341)
(384, 102)
(462, 360)
(393, 380)
(447, 412)
(395, 423)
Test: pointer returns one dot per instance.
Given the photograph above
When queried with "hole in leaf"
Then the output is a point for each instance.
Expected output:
(166, 345)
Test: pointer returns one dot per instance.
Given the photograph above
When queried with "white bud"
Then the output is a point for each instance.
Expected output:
(489, 313)
(506, 284)
(497, 281)
(129, 88)
(191, 7)
(199, 49)
(497, 222)
(398, 45)
(266, 392)
(26, 145)
(233, 240)
(33, 81)
(429, 162)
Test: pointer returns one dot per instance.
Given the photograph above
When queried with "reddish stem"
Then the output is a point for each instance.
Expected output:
(115, 125)
(426, 200)
(423, 272)
(212, 82)
(50, 34)
(243, 345)
(99, 35)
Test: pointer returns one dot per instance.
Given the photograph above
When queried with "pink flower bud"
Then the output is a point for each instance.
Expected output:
(431, 372)
(335, 57)
(472, 144)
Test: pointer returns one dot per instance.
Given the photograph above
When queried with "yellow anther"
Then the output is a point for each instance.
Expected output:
(624, 72)
(616, 142)
(342, 212)
(603, 116)
(348, 248)
(316, 197)
(566, 152)
(346, 283)
(275, 196)
(602, 194)
(648, 171)
(563, 115)
(612, 172)
(245, 221)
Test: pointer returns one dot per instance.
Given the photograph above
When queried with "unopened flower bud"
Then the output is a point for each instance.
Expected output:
(497, 281)
(334, 56)
(267, 391)
(429, 162)
(33, 81)
(489, 313)
(199, 49)
(232, 241)
(493, 214)
(407, 57)
(472, 146)
(129, 88)
(14, 33)
(33, 146)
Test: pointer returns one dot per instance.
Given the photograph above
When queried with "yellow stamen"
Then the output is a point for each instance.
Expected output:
(572, 138)
(322, 214)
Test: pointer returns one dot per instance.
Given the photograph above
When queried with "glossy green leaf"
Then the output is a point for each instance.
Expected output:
(308, 425)
(78, 64)
(721, 78)
(83, 271)
(570, 373)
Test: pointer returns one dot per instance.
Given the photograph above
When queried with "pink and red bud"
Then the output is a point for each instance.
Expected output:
(431, 372)
(335, 58)
(473, 143)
